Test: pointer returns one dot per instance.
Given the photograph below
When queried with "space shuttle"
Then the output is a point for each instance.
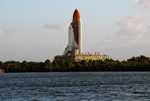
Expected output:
(74, 36)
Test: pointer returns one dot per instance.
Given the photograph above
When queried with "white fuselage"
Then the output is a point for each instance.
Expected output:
(72, 44)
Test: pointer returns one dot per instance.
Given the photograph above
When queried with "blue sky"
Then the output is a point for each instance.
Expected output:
(37, 29)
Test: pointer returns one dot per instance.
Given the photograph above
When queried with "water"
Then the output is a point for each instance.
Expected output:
(104, 86)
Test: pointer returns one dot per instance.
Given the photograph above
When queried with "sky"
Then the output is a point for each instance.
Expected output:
(36, 30)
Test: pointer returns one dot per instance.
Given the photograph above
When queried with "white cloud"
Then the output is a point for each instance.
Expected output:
(1, 31)
(144, 3)
(6, 32)
(52, 26)
(133, 28)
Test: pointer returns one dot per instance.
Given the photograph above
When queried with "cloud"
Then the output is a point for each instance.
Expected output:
(52, 26)
(1, 31)
(133, 27)
(131, 24)
(6, 32)
(144, 3)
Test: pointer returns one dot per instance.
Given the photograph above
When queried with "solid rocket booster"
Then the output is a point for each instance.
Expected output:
(74, 37)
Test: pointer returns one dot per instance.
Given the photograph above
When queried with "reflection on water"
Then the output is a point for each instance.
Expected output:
(75, 87)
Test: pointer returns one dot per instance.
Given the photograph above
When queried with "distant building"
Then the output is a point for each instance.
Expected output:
(91, 57)
(73, 50)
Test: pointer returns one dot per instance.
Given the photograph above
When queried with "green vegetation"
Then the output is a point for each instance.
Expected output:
(140, 63)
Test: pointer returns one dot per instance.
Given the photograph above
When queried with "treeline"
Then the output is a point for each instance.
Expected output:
(140, 63)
